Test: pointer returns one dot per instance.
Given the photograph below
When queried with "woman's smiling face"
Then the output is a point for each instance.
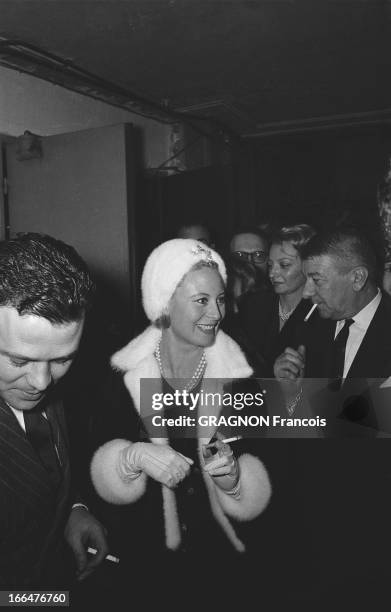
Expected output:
(197, 307)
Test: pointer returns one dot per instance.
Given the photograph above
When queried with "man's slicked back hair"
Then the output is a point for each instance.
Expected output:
(349, 245)
(42, 276)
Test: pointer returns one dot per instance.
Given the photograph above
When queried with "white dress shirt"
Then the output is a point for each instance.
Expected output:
(19, 415)
(357, 330)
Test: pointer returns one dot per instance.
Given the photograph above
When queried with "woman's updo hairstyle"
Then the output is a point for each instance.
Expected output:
(298, 235)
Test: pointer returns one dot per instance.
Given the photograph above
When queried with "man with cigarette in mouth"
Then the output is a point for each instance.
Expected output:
(45, 293)
(354, 344)
(341, 484)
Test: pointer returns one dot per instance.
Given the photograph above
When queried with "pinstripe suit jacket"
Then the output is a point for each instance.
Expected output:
(32, 514)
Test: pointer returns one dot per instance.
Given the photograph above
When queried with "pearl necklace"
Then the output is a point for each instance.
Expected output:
(199, 371)
(284, 316)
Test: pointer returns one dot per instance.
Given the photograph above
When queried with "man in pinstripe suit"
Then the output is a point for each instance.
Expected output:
(45, 291)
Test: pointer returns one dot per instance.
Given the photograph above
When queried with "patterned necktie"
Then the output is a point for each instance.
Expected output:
(39, 433)
(338, 356)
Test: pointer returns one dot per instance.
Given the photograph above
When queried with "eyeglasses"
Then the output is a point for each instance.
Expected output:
(254, 256)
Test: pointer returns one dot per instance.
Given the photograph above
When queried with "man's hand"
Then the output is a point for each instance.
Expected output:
(289, 371)
(290, 365)
(84, 530)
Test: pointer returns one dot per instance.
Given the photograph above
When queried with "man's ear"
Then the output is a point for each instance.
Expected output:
(359, 277)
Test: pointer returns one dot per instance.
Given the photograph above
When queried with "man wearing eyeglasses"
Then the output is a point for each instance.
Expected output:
(251, 245)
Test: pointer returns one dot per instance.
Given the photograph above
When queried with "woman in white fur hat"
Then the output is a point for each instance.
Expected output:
(202, 495)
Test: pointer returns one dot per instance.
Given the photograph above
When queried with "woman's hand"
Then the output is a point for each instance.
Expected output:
(222, 466)
(160, 462)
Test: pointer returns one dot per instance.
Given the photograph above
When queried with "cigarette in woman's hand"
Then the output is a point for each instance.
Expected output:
(310, 312)
(224, 441)
(233, 439)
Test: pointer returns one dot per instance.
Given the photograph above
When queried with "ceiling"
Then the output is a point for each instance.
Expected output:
(255, 67)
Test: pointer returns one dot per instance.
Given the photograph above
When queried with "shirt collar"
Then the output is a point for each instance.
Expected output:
(364, 317)
(19, 416)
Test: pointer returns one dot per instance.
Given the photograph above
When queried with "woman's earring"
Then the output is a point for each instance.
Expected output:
(165, 320)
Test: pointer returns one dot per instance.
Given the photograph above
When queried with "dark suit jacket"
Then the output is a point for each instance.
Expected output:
(326, 529)
(32, 514)
(372, 364)
(325, 535)
(260, 320)
(373, 358)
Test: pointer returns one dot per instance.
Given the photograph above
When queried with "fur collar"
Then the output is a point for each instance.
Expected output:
(136, 360)
(224, 358)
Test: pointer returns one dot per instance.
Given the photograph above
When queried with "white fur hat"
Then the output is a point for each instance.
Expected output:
(165, 268)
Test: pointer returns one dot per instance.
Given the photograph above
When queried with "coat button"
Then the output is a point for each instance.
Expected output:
(190, 491)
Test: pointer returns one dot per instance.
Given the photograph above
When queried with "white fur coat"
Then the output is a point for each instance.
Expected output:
(224, 361)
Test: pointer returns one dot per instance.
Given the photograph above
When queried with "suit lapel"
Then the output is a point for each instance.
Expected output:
(21, 472)
(374, 355)
(318, 348)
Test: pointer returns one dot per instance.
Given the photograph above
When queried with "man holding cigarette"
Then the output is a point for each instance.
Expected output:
(353, 345)
(337, 489)
(45, 292)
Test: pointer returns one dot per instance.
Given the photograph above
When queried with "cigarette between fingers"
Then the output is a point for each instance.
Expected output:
(224, 441)
(93, 551)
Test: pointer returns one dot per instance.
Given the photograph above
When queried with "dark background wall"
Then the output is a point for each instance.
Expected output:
(91, 190)
(321, 178)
